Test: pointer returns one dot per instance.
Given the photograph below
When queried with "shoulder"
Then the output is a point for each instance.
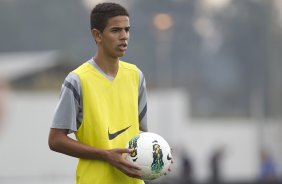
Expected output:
(72, 80)
(72, 83)
(132, 67)
(128, 66)
(84, 68)
(141, 74)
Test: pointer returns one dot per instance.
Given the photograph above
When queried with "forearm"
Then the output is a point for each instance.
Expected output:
(60, 142)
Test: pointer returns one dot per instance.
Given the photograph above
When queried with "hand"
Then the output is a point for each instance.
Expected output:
(115, 157)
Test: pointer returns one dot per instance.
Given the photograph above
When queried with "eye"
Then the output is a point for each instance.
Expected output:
(127, 29)
(115, 30)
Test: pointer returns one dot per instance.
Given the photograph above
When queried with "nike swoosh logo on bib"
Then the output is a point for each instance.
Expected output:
(114, 135)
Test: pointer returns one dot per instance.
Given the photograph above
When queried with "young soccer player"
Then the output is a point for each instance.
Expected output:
(103, 102)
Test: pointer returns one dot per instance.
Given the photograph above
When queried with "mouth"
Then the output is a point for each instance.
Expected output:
(123, 46)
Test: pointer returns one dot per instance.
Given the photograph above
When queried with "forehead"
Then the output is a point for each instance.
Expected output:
(118, 21)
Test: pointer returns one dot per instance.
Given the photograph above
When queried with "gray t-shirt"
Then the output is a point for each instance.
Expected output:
(69, 114)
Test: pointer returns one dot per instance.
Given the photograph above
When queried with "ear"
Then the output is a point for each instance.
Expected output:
(96, 34)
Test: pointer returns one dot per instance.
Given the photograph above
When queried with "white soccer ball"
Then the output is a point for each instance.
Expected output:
(152, 153)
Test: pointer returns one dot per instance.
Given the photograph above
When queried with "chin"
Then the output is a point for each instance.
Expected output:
(117, 54)
(120, 55)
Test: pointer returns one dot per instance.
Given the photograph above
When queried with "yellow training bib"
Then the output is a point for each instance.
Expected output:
(110, 120)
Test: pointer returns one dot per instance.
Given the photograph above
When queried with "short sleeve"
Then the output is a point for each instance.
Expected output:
(68, 112)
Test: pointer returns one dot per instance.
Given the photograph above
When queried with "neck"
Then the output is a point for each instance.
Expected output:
(108, 65)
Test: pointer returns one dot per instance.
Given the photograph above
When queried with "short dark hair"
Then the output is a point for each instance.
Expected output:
(102, 12)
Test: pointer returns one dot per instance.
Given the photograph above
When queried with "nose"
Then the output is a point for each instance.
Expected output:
(124, 35)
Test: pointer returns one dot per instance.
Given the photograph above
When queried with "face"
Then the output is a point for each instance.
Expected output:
(114, 39)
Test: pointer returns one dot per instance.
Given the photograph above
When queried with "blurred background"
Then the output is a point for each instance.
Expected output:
(213, 72)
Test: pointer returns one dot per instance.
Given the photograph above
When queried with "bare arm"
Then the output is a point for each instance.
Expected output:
(60, 142)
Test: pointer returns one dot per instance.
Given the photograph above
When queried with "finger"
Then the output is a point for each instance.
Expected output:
(131, 172)
(132, 165)
(124, 150)
(135, 175)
